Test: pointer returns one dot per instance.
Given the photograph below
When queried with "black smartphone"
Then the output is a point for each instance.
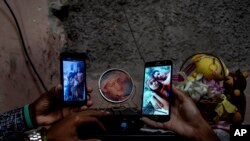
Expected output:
(73, 79)
(157, 90)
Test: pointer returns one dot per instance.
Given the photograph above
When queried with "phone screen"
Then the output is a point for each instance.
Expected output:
(73, 78)
(157, 89)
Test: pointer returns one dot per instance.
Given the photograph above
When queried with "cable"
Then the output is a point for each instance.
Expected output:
(130, 28)
(24, 47)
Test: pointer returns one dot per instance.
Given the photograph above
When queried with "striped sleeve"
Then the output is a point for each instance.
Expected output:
(11, 122)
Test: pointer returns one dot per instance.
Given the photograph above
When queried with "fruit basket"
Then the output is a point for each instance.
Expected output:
(217, 92)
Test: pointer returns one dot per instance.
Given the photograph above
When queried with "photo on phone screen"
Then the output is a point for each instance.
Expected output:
(73, 73)
(157, 89)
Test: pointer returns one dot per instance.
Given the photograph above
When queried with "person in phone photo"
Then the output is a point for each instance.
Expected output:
(68, 81)
(73, 88)
(74, 81)
(158, 88)
(163, 77)
(157, 104)
(80, 79)
(161, 106)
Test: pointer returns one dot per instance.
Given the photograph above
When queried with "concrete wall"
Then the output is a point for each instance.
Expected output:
(18, 85)
(163, 29)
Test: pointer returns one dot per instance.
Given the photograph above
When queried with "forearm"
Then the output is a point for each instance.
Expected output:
(205, 133)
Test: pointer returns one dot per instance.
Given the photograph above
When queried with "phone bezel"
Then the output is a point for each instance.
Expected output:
(73, 56)
(155, 64)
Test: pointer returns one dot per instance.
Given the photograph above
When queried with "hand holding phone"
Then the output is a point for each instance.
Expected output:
(73, 79)
(157, 90)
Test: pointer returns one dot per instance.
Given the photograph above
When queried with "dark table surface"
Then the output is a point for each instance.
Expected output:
(124, 125)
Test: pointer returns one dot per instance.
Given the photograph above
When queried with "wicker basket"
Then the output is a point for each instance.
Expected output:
(207, 106)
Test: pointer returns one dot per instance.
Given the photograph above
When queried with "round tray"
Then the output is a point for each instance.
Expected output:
(116, 85)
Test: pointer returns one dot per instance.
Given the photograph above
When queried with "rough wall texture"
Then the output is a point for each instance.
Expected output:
(18, 84)
(163, 29)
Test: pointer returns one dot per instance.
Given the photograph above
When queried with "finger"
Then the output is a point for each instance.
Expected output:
(152, 123)
(65, 111)
(59, 88)
(74, 109)
(88, 96)
(85, 107)
(55, 92)
(89, 120)
(93, 113)
(68, 110)
(89, 89)
(89, 101)
(90, 140)
(179, 95)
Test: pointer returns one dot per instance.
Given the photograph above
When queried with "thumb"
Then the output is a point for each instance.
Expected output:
(179, 95)
(55, 92)
(88, 119)
(59, 88)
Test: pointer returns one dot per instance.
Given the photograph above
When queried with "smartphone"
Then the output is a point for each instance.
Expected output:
(73, 78)
(157, 90)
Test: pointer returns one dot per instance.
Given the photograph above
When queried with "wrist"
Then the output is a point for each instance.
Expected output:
(32, 112)
(205, 133)
(27, 117)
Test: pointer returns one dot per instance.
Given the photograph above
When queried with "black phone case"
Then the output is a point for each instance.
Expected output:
(73, 56)
(155, 64)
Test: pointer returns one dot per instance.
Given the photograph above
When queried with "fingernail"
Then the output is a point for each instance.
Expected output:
(84, 108)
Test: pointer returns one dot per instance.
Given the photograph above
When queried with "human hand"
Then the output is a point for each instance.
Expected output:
(47, 109)
(185, 119)
(66, 129)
